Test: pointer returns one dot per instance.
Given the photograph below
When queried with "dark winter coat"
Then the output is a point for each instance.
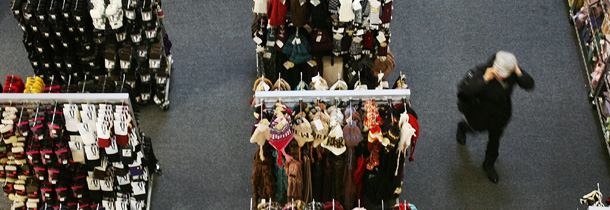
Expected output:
(488, 104)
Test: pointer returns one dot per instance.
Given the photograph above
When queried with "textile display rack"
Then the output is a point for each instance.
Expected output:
(592, 28)
(63, 157)
(328, 146)
(111, 42)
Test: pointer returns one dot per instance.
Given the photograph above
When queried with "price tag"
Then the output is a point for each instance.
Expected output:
(287, 65)
(123, 180)
(127, 152)
(257, 40)
(319, 125)
(155, 63)
(139, 188)
(381, 37)
(93, 183)
(125, 64)
(356, 5)
(112, 149)
(312, 64)
(279, 43)
(315, 3)
(319, 38)
(146, 16)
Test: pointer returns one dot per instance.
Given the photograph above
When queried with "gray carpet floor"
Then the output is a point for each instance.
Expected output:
(552, 152)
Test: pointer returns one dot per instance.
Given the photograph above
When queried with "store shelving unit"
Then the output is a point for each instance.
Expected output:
(595, 92)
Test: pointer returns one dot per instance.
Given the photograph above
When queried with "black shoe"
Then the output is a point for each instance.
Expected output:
(460, 136)
(491, 173)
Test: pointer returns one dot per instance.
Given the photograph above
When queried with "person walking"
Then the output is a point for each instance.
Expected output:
(484, 98)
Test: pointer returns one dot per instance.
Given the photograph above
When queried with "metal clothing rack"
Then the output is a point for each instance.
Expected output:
(331, 95)
(80, 98)
(595, 94)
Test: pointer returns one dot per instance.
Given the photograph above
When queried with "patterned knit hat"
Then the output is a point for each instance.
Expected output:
(335, 142)
(320, 131)
(352, 134)
(280, 136)
(302, 129)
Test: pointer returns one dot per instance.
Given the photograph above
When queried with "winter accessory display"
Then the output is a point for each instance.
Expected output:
(338, 130)
(306, 31)
(75, 46)
(64, 151)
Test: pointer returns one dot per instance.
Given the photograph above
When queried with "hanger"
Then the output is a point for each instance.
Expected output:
(84, 81)
(123, 84)
(104, 85)
(391, 106)
(50, 84)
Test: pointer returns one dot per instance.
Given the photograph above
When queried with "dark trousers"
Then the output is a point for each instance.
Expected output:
(494, 135)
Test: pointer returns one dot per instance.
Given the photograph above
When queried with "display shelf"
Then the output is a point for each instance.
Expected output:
(595, 93)
(312, 95)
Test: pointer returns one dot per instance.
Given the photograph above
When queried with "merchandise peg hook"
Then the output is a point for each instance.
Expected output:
(250, 203)
(84, 84)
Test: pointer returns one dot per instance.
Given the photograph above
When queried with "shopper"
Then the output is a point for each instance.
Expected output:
(484, 100)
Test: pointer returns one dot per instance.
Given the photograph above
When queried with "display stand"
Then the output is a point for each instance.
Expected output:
(27, 100)
(331, 95)
(595, 91)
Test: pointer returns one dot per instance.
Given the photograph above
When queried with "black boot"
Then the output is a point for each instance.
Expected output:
(488, 166)
(460, 135)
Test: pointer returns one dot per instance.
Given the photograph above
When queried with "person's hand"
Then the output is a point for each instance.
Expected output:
(518, 70)
(490, 73)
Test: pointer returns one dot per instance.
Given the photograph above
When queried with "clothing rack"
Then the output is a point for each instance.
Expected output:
(25, 99)
(595, 93)
(330, 95)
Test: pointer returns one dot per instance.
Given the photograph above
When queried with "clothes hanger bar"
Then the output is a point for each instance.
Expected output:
(344, 95)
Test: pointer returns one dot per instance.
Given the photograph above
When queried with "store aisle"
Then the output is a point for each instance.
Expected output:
(551, 155)
(552, 152)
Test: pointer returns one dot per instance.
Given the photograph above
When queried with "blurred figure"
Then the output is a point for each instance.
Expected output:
(484, 100)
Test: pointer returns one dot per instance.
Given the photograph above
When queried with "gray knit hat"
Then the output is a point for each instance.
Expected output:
(505, 63)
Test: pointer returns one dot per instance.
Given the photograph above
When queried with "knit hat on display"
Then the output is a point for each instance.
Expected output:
(401, 82)
(335, 142)
(302, 86)
(265, 206)
(415, 124)
(320, 130)
(261, 134)
(262, 86)
(406, 133)
(371, 122)
(302, 129)
(329, 206)
(281, 85)
(339, 85)
(505, 63)
(321, 41)
(280, 136)
(314, 205)
(318, 83)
